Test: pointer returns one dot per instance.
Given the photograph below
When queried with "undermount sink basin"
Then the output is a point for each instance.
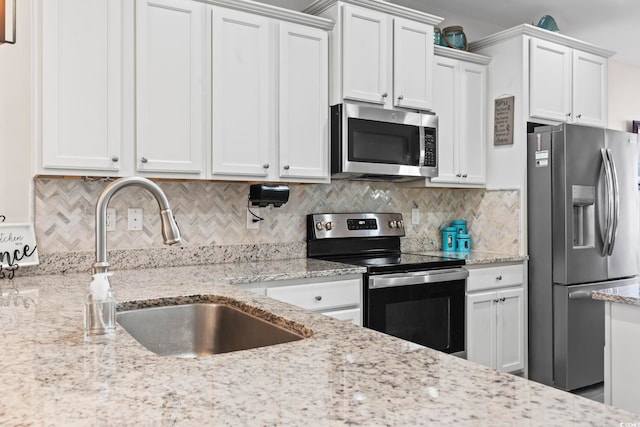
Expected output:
(201, 329)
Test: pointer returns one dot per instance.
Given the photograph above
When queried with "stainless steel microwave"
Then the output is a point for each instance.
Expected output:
(379, 144)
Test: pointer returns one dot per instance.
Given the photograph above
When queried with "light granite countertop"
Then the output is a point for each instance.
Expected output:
(478, 257)
(628, 294)
(342, 375)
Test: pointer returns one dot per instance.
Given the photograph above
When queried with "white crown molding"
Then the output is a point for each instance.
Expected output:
(448, 52)
(540, 33)
(273, 12)
(320, 6)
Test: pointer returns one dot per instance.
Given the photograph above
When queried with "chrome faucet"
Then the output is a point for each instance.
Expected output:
(170, 230)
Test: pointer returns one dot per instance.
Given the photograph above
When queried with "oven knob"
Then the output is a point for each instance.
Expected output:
(319, 226)
(328, 226)
(400, 224)
(393, 224)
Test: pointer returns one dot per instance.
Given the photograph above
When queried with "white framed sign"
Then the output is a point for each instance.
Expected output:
(18, 245)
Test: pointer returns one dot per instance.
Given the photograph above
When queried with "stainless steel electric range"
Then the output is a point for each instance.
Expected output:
(419, 298)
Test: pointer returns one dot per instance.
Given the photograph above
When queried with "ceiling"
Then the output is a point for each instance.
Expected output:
(611, 24)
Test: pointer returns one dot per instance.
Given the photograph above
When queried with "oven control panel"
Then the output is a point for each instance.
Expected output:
(340, 225)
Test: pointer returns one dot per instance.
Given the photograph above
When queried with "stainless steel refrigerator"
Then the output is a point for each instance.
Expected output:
(582, 235)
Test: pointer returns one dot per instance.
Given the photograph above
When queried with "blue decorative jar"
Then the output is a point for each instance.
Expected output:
(463, 243)
(460, 225)
(448, 238)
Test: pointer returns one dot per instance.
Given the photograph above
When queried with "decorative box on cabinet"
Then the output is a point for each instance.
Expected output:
(495, 326)
(269, 97)
(337, 296)
(381, 53)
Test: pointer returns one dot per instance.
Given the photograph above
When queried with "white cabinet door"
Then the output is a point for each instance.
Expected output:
(481, 328)
(549, 81)
(412, 64)
(459, 100)
(589, 89)
(242, 76)
(83, 97)
(472, 108)
(510, 330)
(169, 86)
(365, 55)
(303, 103)
(445, 95)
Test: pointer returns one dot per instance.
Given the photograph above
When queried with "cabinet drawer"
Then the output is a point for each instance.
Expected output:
(319, 296)
(352, 315)
(495, 277)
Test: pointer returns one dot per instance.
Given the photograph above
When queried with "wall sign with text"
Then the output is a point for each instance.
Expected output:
(503, 121)
(17, 245)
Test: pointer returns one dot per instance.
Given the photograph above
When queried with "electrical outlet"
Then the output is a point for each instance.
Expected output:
(134, 220)
(415, 216)
(111, 219)
(251, 224)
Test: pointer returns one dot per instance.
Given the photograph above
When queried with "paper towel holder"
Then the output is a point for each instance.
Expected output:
(263, 195)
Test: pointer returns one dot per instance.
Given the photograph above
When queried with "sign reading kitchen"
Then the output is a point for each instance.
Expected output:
(17, 246)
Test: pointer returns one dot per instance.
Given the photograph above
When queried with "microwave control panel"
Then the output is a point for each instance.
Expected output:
(430, 154)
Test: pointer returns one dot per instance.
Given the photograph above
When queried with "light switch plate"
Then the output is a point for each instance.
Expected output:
(134, 221)
(415, 216)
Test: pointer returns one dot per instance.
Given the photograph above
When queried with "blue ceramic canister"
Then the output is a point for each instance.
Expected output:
(463, 243)
(448, 238)
(460, 225)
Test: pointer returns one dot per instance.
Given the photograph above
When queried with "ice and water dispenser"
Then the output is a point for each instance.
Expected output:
(584, 225)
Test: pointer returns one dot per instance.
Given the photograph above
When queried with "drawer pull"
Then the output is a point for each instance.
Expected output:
(318, 297)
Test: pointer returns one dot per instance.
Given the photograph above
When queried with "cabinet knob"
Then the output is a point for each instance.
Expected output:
(266, 166)
(578, 116)
(144, 160)
(502, 299)
(115, 159)
(499, 277)
(400, 98)
(458, 175)
(568, 114)
(496, 300)
(464, 175)
(285, 167)
(384, 95)
(318, 297)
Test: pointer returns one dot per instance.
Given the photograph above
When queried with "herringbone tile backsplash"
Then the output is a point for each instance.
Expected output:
(213, 213)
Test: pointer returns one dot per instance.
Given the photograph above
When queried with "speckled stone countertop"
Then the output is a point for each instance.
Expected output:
(342, 375)
(628, 294)
(478, 257)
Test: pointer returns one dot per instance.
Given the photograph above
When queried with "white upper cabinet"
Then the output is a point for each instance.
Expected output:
(270, 107)
(243, 87)
(366, 64)
(381, 53)
(83, 76)
(459, 100)
(566, 84)
(412, 64)
(303, 103)
(169, 86)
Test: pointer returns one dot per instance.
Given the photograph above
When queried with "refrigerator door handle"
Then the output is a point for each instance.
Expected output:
(606, 238)
(580, 295)
(616, 202)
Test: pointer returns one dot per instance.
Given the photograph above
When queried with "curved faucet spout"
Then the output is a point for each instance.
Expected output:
(170, 230)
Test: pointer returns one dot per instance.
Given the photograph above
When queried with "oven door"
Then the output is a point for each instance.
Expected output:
(427, 307)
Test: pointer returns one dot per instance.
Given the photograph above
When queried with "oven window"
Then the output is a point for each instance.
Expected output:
(432, 315)
(381, 142)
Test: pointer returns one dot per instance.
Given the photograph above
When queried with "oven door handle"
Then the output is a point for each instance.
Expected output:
(423, 277)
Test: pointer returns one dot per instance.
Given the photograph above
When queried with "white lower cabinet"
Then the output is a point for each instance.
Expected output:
(495, 323)
(339, 298)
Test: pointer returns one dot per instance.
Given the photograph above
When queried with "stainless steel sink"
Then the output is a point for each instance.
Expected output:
(201, 329)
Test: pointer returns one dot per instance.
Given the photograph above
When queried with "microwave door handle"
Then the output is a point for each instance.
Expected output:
(616, 201)
(423, 149)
